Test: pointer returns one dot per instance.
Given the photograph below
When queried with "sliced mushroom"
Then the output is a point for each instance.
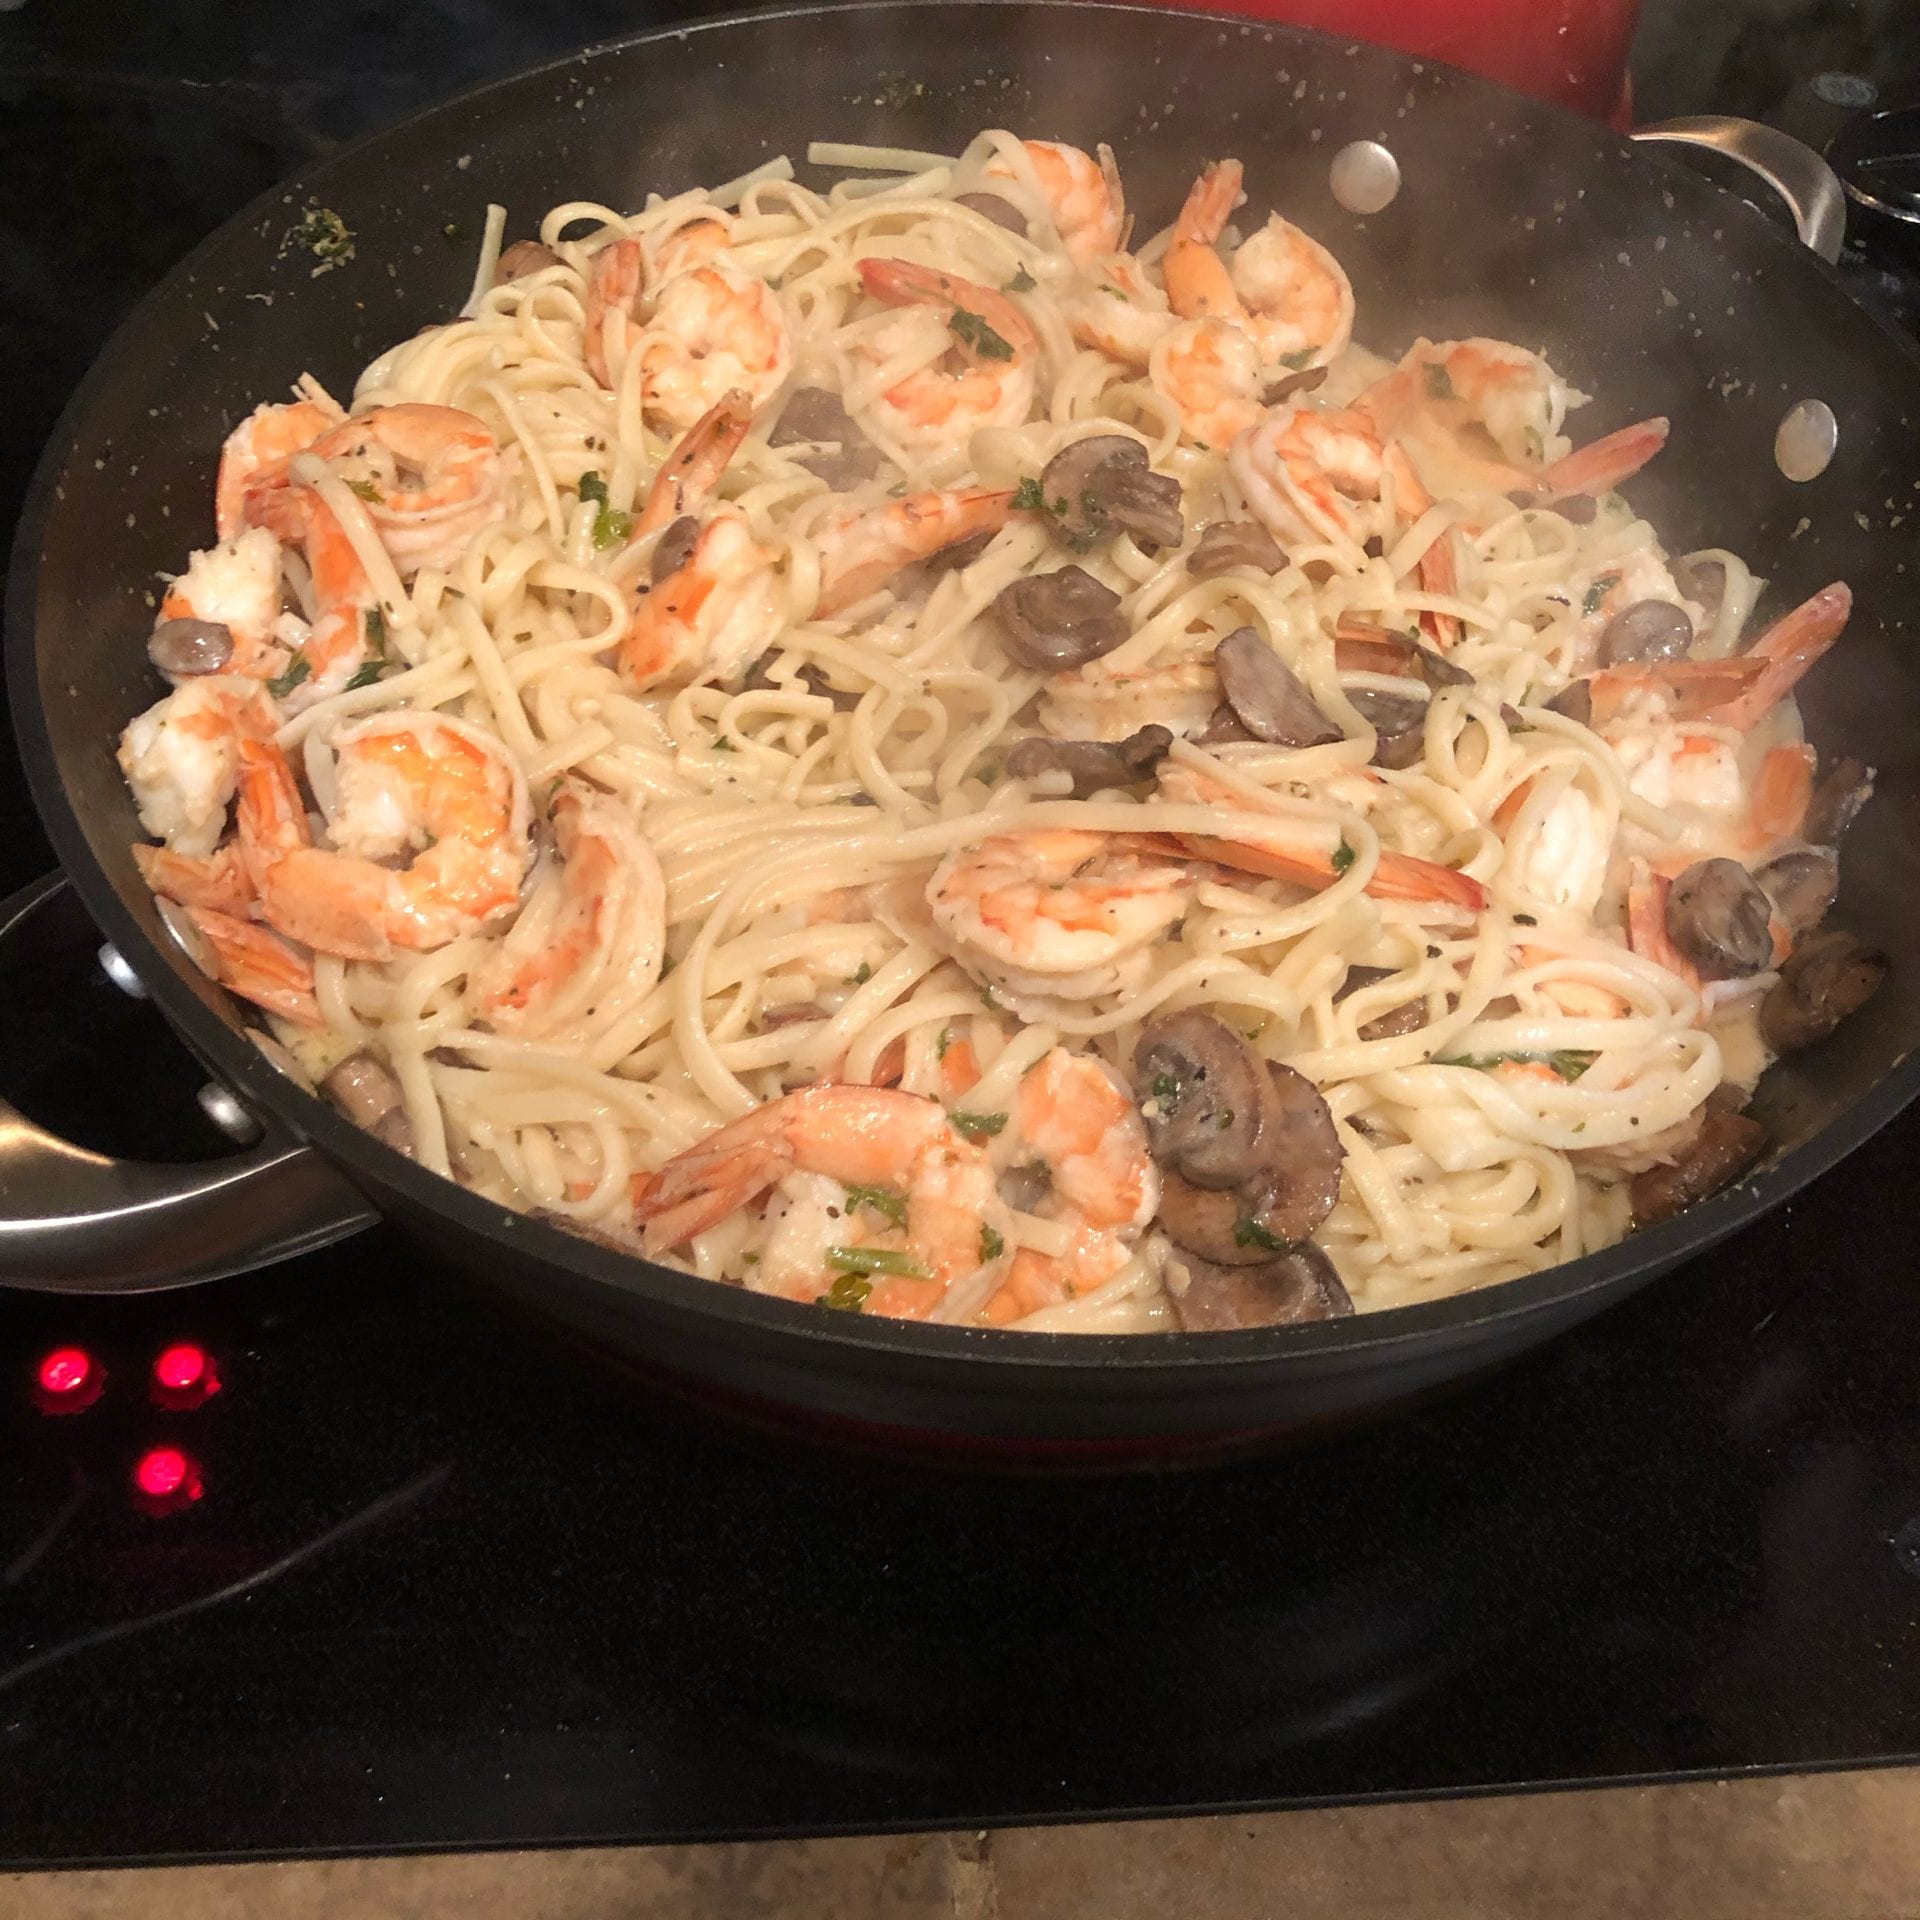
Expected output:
(1105, 486)
(188, 647)
(1294, 1189)
(1093, 764)
(1648, 630)
(1726, 1145)
(1703, 580)
(1025, 1188)
(1054, 622)
(1801, 884)
(522, 258)
(812, 678)
(1390, 1025)
(963, 553)
(1266, 695)
(1293, 385)
(817, 414)
(395, 1129)
(583, 1229)
(1206, 1098)
(1575, 700)
(990, 206)
(1717, 915)
(1299, 1285)
(1399, 722)
(1235, 543)
(1374, 649)
(796, 1013)
(1832, 975)
(674, 548)
(364, 1089)
(1223, 729)
(1843, 790)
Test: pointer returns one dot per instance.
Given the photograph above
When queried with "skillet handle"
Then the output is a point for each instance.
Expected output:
(75, 1221)
(1790, 167)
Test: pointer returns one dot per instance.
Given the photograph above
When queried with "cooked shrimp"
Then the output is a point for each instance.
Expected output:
(236, 585)
(938, 1221)
(1096, 703)
(1513, 397)
(1283, 289)
(720, 608)
(712, 329)
(692, 470)
(1210, 371)
(413, 786)
(598, 925)
(1316, 476)
(264, 441)
(1087, 1135)
(182, 757)
(259, 966)
(694, 243)
(1056, 911)
(1082, 194)
(862, 551)
(338, 644)
(978, 351)
(616, 295)
(1118, 309)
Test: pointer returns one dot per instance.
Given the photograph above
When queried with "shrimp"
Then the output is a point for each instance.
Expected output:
(1094, 703)
(599, 928)
(978, 351)
(236, 585)
(264, 441)
(259, 966)
(1316, 476)
(929, 1216)
(712, 330)
(862, 551)
(1306, 854)
(1118, 310)
(1057, 911)
(406, 784)
(182, 758)
(1082, 194)
(1210, 372)
(1283, 289)
(338, 644)
(689, 474)
(1088, 1137)
(720, 608)
(616, 295)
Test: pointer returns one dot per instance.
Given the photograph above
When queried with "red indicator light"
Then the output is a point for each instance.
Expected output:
(66, 1370)
(181, 1367)
(166, 1479)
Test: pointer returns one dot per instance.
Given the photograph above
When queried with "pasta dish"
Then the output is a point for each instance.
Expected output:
(921, 750)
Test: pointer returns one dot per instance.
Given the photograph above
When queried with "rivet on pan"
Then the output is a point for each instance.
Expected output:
(1803, 448)
(1365, 177)
(114, 965)
(228, 1114)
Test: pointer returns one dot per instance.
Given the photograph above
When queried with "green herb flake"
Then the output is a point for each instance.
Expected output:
(977, 1126)
(376, 629)
(593, 489)
(1525, 920)
(891, 1205)
(322, 233)
(1165, 1088)
(1439, 382)
(941, 1045)
(972, 331)
(1250, 1233)
(1571, 1062)
(848, 1294)
(367, 491)
(367, 674)
(988, 998)
(283, 684)
(454, 234)
(611, 528)
(1536, 447)
(1598, 592)
(987, 772)
(861, 978)
(1022, 282)
(1028, 498)
(721, 744)
(876, 1260)
(992, 1245)
(1343, 856)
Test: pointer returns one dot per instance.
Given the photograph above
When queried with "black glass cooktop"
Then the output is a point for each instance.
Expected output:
(330, 1557)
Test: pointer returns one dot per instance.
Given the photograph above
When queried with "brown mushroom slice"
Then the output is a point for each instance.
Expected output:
(990, 206)
(522, 258)
(819, 414)
(185, 648)
(1288, 1290)
(1840, 793)
(674, 548)
(810, 677)
(1279, 392)
(1103, 486)
(1801, 884)
(1054, 622)
(1703, 580)
(1223, 729)
(1093, 764)
(1408, 1018)
(365, 1090)
(1832, 975)
(1727, 1144)
(963, 553)
(1575, 701)
(1235, 543)
(1648, 631)
(1266, 694)
(1025, 1188)
(1206, 1098)
(1399, 722)
(1718, 916)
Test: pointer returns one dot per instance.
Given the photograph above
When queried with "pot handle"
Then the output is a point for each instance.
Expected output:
(75, 1221)
(1790, 167)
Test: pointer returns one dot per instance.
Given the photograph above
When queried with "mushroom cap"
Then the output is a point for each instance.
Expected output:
(185, 648)
(1727, 1144)
(1287, 1290)
(1093, 764)
(1054, 622)
(1105, 486)
(1266, 695)
(1648, 631)
(1206, 1098)
(1719, 916)
(1827, 977)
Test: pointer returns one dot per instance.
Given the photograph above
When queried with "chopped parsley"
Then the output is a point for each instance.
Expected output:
(941, 1045)
(323, 234)
(283, 684)
(1343, 856)
(1525, 920)
(1297, 362)
(977, 1126)
(1439, 382)
(1250, 1233)
(1598, 592)
(861, 978)
(1028, 498)
(610, 526)
(1166, 1089)
(370, 669)
(876, 1260)
(1022, 282)
(848, 1294)
(593, 489)
(367, 491)
(972, 331)
(881, 1201)
(992, 1245)
(1569, 1062)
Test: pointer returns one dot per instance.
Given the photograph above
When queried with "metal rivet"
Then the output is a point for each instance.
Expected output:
(113, 963)
(1804, 446)
(1365, 177)
(228, 1114)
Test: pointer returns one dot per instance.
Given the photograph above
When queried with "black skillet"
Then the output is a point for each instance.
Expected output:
(1647, 287)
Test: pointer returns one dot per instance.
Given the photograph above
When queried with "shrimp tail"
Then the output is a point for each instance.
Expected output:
(217, 880)
(1787, 650)
(1602, 464)
(904, 283)
(693, 469)
(259, 966)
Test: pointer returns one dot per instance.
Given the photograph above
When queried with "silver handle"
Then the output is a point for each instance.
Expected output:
(75, 1221)
(1790, 167)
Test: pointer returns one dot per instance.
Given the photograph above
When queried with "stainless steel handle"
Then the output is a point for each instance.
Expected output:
(1790, 167)
(75, 1221)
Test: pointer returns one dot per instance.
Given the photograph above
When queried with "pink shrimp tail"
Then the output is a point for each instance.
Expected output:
(1602, 464)
(259, 966)
(1787, 649)
(692, 470)
(905, 283)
